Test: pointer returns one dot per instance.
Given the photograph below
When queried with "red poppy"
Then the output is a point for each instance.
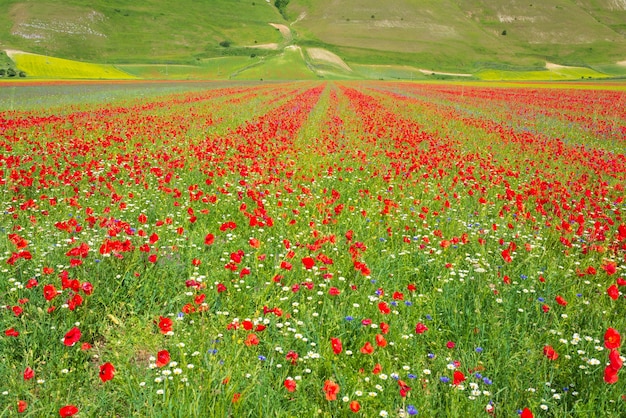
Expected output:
(616, 360)
(336, 345)
(367, 348)
(292, 356)
(28, 373)
(106, 372)
(290, 385)
(251, 340)
(559, 299)
(68, 411)
(331, 389)
(221, 288)
(163, 358)
(380, 340)
(612, 339)
(333, 291)
(165, 324)
(21, 406)
(420, 328)
(72, 337)
(610, 375)
(550, 353)
(11, 332)
(404, 388)
(384, 308)
(49, 292)
(355, 406)
(613, 292)
(308, 263)
(526, 413)
(610, 267)
(458, 377)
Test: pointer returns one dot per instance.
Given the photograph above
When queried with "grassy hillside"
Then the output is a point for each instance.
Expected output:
(232, 38)
(142, 31)
(470, 34)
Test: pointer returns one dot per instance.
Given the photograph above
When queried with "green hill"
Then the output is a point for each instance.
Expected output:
(337, 38)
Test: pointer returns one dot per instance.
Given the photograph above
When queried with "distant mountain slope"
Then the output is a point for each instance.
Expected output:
(146, 30)
(446, 35)
(466, 33)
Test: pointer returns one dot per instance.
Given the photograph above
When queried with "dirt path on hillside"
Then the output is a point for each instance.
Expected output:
(284, 31)
(325, 55)
(429, 72)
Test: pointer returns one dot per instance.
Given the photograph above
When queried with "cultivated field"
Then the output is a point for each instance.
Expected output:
(312, 249)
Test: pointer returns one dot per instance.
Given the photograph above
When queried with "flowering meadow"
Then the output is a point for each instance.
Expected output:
(315, 249)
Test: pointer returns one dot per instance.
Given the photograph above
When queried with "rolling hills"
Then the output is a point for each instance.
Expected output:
(333, 38)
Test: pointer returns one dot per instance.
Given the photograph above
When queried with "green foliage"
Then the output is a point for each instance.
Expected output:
(281, 5)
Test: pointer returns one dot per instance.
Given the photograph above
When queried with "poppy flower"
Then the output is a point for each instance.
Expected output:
(615, 359)
(559, 299)
(290, 385)
(610, 375)
(331, 389)
(163, 358)
(333, 291)
(380, 340)
(49, 292)
(28, 373)
(355, 406)
(458, 377)
(72, 337)
(165, 324)
(106, 372)
(420, 328)
(612, 339)
(251, 340)
(613, 292)
(21, 406)
(11, 332)
(367, 348)
(292, 356)
(550, 353)
(308, 263)
(68, 411)
(384, 308)
(336, 345)
(526, 413)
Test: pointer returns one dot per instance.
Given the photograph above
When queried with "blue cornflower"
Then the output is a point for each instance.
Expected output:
(444, 379)
(411, 410)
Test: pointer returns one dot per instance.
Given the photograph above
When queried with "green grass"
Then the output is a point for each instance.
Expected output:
(212, 68)
(290, 65)
(141, 32)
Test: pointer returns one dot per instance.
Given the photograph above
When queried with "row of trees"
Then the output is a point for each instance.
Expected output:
(10, 72)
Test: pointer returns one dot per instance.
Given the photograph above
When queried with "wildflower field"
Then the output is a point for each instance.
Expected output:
(314, 249)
